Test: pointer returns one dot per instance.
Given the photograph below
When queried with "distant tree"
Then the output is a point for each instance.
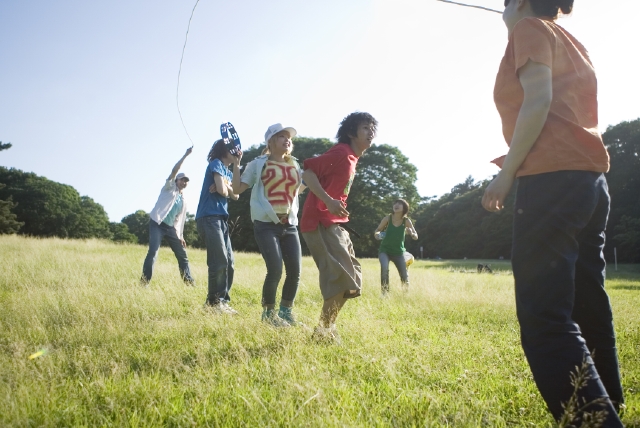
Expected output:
(92, 221)
(8, 223)
(627, 238)
(190, 232)
(138, 224)
(120, 233)
(48, 208)
(456, 226)
(623, 143)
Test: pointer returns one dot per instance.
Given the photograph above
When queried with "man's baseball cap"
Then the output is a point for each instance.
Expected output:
(181, 175)
(274, 129)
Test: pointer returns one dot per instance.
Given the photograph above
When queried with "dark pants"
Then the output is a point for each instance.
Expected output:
(156, 233)
(559, 272)
(214, 230)
(279, 243)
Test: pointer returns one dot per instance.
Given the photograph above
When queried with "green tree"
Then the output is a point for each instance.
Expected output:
(138, 224)
(627, 238)
(623, 143)
(190, 232)
(455, 225)
(48, 208)
(8, 222)
(120, 233)
(92, 221)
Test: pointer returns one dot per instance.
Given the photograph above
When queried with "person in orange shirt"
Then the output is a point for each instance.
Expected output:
(546, 95)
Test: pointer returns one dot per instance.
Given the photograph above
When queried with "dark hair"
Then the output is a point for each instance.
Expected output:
(218, 150)
(349, 126)
(549, 7)
(405, 206)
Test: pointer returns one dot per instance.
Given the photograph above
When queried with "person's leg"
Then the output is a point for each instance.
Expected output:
(155, 238)
(550, 211)
(179, 251)
(401, 265)
(339, 270)
(330, 309)
(212, 232)
(592, 310)
(230, 261)
(267, 238)
(292, 258)
(384, 272)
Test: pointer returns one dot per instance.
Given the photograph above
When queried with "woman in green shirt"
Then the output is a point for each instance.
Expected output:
(391, 232)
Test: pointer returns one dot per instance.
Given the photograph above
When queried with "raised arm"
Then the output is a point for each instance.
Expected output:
(335, 206)
(177, 166)
(535, 79)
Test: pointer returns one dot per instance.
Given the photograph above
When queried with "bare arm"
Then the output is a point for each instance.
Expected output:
(238, 186)
(335, 206)
(409, 229)
(221, 187)
(535, 79)
(177, 166)
(383, 224)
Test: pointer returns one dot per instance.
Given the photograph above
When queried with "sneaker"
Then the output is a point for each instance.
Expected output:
(287, 314)
(229, 309)
(144, 282)
(190, 282)
(326, 335)
(271, 317)
(217, 308)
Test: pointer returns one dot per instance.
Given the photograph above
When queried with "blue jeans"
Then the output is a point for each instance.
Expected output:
(401, 265)
(559, 271)
(214, 230)
(279, 243)
(156, 233)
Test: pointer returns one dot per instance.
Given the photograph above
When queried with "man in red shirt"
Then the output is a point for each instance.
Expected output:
(329, 178)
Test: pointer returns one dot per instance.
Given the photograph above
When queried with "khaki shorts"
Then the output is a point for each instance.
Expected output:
(333, 253)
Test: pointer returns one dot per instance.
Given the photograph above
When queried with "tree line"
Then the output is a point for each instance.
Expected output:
(453, 225)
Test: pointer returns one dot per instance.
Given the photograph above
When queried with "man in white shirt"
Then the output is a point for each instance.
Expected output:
(167, 221)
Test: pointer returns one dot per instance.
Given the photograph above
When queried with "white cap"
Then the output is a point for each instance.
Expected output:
(274, 129)
(181, 175)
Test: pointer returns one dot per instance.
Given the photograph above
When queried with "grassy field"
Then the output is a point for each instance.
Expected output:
(445, 354)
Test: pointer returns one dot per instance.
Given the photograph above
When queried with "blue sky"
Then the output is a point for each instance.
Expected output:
(88, 89)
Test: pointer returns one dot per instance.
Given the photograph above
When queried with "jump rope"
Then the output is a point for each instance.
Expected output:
(227, 131)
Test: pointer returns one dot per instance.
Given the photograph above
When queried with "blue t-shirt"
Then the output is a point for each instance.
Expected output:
(213, 203)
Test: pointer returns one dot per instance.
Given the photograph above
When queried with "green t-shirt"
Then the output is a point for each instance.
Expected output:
(393, 242)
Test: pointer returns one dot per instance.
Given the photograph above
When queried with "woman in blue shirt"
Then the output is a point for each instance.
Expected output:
(212, 221)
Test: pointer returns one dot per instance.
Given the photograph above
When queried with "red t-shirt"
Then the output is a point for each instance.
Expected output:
(570, 139)
(335, 170)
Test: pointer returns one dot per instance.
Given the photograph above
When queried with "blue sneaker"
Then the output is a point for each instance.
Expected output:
(270, 316)
(287, 314)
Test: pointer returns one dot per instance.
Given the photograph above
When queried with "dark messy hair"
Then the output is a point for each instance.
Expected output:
(349, 126)
(405, 206)
(218, 150)
(549, 7)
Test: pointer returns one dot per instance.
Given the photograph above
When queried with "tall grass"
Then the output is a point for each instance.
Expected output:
(445, 354)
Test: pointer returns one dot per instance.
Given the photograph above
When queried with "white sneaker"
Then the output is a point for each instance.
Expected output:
(229, 309)
(218, 308)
